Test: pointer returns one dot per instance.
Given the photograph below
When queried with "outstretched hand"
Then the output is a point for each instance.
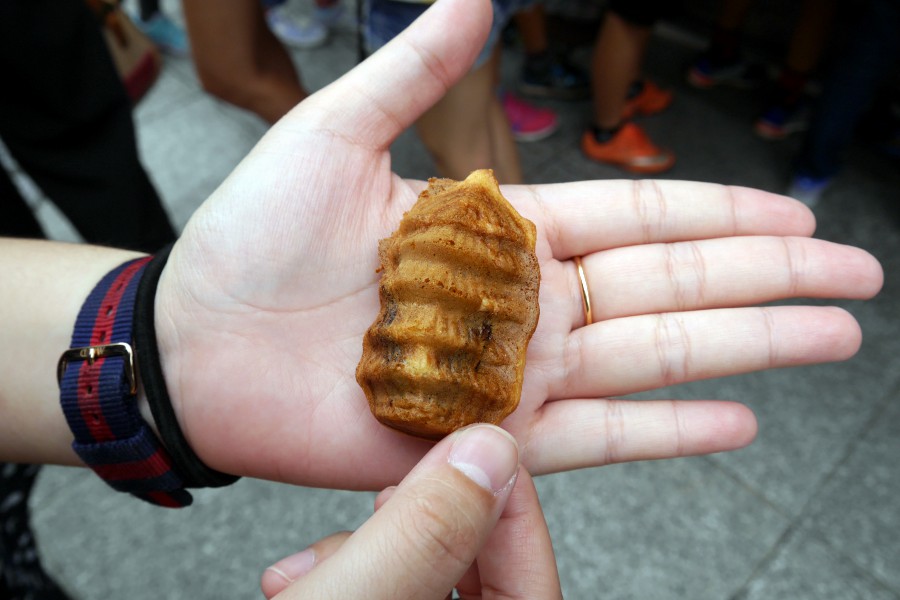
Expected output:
(262, 306)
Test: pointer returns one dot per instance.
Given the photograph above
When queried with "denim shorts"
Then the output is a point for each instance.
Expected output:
(385, 19)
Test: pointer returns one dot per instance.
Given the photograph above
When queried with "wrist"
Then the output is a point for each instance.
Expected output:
(114, 353)
(155, 334)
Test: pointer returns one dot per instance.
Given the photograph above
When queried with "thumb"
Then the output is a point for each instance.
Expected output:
(373, 103)
(425, 537)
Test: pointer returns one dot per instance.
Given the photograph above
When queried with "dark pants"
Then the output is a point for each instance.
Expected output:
(864, 63)
(66, 119)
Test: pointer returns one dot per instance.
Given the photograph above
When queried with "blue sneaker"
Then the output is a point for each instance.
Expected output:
(781, 120)
(706, 73)
(166, 34)
(808, 190)
(554, 78)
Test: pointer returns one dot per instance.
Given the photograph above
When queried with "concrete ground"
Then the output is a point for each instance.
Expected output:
(810, 510)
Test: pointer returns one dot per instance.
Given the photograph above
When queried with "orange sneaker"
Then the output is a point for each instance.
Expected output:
(646, 98)
(629, 149)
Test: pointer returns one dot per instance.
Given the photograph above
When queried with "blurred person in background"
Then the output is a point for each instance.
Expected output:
(240, 60)
(863, 64)
(621, 92)
(787, 109)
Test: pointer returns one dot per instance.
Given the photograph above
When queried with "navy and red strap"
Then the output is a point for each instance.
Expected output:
(98, 392)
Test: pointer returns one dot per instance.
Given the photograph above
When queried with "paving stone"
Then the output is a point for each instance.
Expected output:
(101, 544)
(807, 417)
(856, 511)
(672, 529)
(807, 568)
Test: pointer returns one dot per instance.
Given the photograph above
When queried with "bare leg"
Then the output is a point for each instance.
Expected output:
(616, 64)
(733, 14)
(532, 27)
(239, 60)
(467, 129)
(726, 38)
(618, 57)
(503, 146)
(804, 53)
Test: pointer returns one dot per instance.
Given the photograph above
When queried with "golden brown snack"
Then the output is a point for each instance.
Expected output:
(459, 302)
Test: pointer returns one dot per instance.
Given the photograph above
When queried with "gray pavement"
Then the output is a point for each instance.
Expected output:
(810, 510)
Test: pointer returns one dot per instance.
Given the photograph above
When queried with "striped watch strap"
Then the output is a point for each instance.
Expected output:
(99, 395)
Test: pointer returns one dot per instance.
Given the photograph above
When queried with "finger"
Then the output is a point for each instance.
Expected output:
(469, 585)
(517, 562)
(574, 434)
(632, 354)
(287, 570)
(372, 104)
(422, 540)
(584, 217)
(384, 496)
(722, 273)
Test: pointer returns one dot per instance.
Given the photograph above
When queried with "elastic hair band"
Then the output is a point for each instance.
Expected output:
(194, 472)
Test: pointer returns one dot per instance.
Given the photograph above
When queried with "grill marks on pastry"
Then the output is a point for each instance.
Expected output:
(454, 243)
(458, 306)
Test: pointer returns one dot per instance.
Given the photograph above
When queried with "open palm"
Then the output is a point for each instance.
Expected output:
(263, 304)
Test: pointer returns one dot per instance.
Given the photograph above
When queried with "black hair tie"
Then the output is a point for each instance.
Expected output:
(194, 472)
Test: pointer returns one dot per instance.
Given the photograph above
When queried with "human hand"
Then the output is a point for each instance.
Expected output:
(466, 517)
(262, 306)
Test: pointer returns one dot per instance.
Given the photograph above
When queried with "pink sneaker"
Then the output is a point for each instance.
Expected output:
(529, 123)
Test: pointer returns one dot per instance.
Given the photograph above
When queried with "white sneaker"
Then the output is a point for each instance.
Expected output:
(299, 32)
(328, 16)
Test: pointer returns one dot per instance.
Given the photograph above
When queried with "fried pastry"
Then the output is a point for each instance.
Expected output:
(459, 303)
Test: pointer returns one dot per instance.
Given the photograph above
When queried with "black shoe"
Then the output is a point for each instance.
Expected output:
(548, 77)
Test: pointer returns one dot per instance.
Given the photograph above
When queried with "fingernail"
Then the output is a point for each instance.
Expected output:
(487, 455)
(295, 566)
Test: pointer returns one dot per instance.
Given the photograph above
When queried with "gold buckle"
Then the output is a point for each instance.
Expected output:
(92, 353)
